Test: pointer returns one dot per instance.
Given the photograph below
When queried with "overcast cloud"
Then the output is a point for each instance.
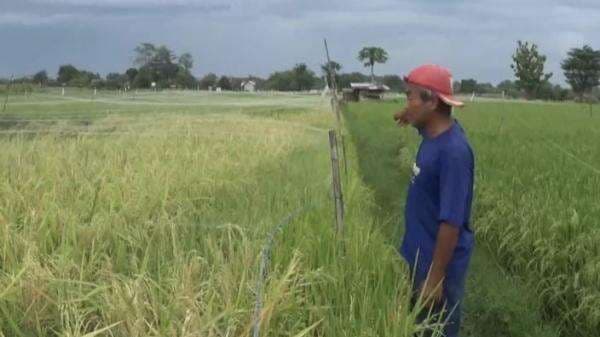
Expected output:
(236, 37)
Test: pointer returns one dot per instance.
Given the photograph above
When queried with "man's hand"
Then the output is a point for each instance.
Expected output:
(447, 239)
(401, 117)
(432, 289)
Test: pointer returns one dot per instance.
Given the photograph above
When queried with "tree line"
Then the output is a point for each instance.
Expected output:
(159, 66)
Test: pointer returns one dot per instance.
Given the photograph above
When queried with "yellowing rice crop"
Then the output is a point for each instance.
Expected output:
(148, 220)
(131, 216)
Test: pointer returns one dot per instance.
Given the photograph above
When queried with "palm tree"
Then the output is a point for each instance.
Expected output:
(329, 68)
(371, 55)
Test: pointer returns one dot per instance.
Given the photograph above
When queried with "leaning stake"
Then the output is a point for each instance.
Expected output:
(338, 199)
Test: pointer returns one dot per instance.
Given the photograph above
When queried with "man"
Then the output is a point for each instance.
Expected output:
(438, 241)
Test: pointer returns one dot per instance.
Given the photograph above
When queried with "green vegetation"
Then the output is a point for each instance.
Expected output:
(582, 69)
(299, 78)
(159, 65)
(330, 69)
(371, 55)
(146, 216)
(528, 66)
(537, 187)
(537, 202)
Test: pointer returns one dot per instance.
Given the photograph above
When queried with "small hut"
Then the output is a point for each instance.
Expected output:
(249, 85)
(365, 90)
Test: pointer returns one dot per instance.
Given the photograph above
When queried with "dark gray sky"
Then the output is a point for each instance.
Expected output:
(237, 37)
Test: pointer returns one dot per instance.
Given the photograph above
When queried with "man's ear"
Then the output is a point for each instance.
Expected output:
(432, 104)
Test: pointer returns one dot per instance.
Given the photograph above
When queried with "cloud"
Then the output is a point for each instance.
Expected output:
(29, 19)
(46, 12)
(130, 3)
(240, 37)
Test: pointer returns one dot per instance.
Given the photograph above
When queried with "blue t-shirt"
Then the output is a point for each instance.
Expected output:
(441, 190)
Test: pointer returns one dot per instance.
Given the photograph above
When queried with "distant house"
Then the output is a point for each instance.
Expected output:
(249, 85)
(365, 90)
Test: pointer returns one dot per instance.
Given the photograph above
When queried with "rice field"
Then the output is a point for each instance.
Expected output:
(538, 192)
(145, 215)
(536, 206)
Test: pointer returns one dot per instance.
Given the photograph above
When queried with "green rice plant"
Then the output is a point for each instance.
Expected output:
(537, 192)
(149, 218)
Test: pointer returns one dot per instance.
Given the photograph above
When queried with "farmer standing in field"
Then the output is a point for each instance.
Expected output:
(438, 241)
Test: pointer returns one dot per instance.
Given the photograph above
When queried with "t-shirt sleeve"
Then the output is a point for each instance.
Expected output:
(456, 185)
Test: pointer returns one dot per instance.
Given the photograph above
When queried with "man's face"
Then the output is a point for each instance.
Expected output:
(418, 111)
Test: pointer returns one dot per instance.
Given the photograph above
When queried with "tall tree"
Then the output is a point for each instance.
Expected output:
(131, 74)
(116, 80)
(371, 55)
(328, 68)
(164, 55)
(184, 79)
(144, 54)
(224, 83)
(582, 69)
(144, 78)
(41, 78)
(528, 66)
(156, 65)
(468, 85)
(186, 61)
(164, 67)
(209, 80)
(303, 78)
(66, 73)
(281, 81)
(296, 79)
(84, 78)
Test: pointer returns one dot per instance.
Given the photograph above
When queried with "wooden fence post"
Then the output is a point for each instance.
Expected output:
(7, 94)
(336, 185)
(344, 156)
(335, 104)
(332, 86)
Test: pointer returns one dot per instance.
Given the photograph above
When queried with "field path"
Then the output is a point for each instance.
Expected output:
(497, 304)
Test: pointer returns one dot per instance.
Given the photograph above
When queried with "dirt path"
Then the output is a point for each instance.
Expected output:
(496, 304)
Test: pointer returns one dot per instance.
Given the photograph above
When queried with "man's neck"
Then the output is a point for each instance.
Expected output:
(437, 126)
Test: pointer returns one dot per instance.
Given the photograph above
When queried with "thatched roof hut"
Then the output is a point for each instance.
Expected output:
(365, 90)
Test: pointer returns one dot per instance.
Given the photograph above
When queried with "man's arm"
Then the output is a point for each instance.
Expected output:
(447, 239)
(455, 187)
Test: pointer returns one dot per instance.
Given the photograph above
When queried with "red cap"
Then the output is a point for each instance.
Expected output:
(435, 78)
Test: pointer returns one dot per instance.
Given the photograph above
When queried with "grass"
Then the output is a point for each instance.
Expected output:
(146, 216)
(535, 209)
